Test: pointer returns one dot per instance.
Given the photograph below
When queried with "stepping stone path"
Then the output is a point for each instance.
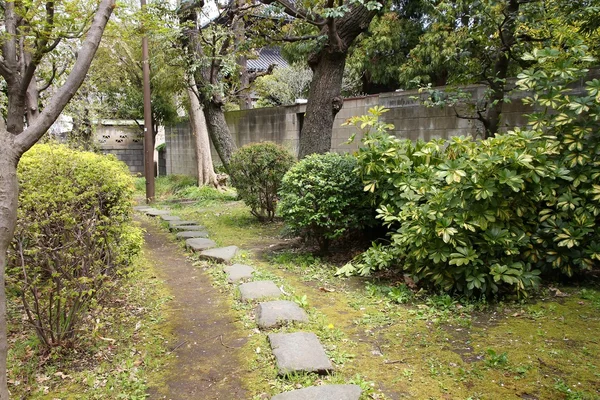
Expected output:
(325, 392)
(294, 352)
(191, 234)
(199, 244)
(177, 223)
(221, 254)
(299, 352)
(238, 272)
(170, 218)
(153, 212)
(259, 290)
(273, 314)
(187, 228)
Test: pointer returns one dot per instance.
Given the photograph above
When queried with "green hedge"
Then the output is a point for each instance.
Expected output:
(322, 198)
(73, 237)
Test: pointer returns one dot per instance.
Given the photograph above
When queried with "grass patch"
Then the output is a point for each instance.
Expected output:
(122, 348)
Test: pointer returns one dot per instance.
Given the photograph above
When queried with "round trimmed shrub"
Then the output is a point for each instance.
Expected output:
(73, 238)
(256, 171)
(322, 197)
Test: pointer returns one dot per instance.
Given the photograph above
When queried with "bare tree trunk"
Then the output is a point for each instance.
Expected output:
(206, 172)
(8, 220)
(324, 103)
(219, 131)
(497, 81)
(14, 140)
(32, 98)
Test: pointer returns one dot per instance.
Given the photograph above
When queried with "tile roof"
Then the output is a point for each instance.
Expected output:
(266, 57)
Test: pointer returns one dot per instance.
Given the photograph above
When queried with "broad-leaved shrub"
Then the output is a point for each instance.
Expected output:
(322, 197)
(480, 217)
(256, 171)
(73, 238)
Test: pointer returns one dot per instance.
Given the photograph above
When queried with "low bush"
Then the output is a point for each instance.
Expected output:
(73, 236)
(256, 173)
(322, 197)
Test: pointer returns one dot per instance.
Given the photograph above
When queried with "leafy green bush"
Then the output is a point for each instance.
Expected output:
(73, 236)
(256, 172)
(481, 217)
(322, 197)
(567, 239)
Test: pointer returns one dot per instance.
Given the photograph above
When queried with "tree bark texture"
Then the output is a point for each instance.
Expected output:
(324, 99)
(8, 220)
(324, 102)
(206, 172)
(219, 131)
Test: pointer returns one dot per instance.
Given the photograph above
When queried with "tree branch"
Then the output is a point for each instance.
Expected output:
(57, 103)
(295, 12)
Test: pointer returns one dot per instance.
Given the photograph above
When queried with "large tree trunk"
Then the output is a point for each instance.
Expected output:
(324, 99)
(8, 220)
(324, 103)
(206, 172)
(219, 131)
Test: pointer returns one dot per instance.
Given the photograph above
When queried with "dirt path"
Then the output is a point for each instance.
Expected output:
(206, 338)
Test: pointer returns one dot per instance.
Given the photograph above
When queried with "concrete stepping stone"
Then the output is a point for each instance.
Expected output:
(299, 352)
(142, 208)
(199, 244)
(324, 392)
(191, 234)
(237, 272)
(259, 290)
(170, 218)
(273, 314)
(154, 212)
(187, 228)
(179, 222)
(220, 254)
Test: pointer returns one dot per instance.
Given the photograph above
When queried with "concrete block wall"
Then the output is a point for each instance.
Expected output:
(124, 139)
(411, 119)
(180, 150)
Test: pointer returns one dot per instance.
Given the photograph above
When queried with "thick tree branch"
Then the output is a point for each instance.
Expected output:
(57, 103)
(295, 12)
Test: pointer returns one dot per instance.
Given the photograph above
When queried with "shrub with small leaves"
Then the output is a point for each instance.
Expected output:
(256, 173)
(73, 237)
(322, 197)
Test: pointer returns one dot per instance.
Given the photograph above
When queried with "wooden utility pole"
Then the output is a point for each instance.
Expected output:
(148, 132)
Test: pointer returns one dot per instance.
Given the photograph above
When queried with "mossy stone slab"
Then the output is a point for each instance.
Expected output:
(324, 392)
(191, 234)
(238, 272)
(272, 314)
(220, 254)
(259, 290)
(200, 244)
(299, 352)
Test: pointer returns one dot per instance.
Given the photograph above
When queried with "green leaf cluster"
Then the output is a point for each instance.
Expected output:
(256, 172)
(493, 216)
(73, 237)
(322, 197)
